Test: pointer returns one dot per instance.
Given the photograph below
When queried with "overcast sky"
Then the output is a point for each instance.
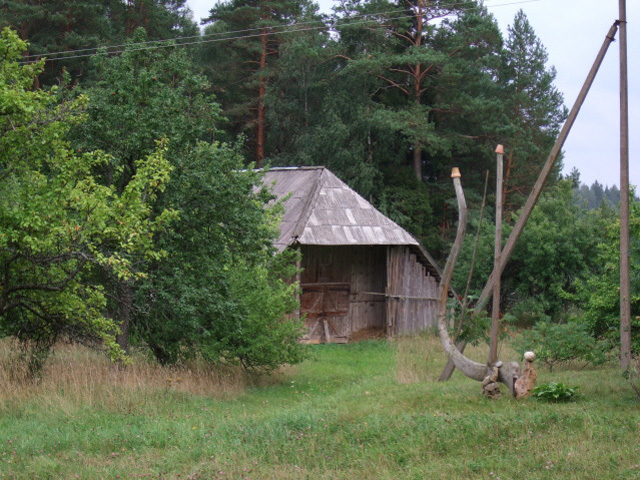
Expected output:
(572, 32)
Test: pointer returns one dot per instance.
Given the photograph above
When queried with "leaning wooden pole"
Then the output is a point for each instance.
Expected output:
(625, 285)
(537, 188)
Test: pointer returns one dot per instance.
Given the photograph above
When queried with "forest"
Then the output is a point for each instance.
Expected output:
(130, 143)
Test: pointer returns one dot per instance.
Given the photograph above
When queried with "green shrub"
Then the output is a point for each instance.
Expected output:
(555, 392)
(556, 343)
(633, 375)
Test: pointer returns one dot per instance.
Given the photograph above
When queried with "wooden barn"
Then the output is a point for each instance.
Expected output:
(362, 274)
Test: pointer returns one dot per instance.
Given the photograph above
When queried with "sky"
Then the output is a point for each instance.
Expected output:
(573, 31)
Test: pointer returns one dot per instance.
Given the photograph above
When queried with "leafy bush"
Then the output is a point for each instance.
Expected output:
(599, 294)
(555, 392)
(220, 295)
(558, 246)
(556, 343)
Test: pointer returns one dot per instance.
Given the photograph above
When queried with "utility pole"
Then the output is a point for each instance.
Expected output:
(625, 287)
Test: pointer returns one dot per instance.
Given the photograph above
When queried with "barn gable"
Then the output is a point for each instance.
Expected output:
(360, 270)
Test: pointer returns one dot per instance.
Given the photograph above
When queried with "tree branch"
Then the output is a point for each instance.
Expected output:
(394, 84)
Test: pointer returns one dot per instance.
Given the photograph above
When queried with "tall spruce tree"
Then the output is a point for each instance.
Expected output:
(535, 110)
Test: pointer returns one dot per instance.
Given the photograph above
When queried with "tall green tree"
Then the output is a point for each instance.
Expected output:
(220, 292)
(427, 69)
(58, 223)
(535, 110)
(142, 96)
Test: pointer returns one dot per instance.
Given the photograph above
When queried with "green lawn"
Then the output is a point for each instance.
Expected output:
(364, 411)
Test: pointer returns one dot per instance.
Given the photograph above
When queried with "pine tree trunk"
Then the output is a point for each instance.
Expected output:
(417, 82)
(261, 92)
(130, 24)
(417, 160)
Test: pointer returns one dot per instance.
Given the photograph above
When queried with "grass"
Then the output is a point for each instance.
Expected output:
(372, 410)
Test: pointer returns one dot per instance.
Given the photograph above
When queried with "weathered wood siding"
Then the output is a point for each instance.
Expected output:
(332, 276)
(412, 293)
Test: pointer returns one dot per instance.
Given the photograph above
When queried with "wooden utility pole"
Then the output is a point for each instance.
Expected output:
(497, 253)
(625, 287)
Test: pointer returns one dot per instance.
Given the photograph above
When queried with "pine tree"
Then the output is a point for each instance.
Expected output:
(240, 68)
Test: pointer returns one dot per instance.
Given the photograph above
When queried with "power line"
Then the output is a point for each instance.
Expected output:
(166, 43)
(217, 34)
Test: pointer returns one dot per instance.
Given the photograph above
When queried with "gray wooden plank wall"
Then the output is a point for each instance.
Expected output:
(412, 293)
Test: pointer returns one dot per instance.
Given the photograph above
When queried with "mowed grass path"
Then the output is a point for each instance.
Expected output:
(371, 410)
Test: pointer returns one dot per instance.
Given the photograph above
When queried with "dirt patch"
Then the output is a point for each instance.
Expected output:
(367, 334)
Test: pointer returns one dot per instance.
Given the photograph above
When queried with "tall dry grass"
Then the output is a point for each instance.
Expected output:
(75, 375)
(418, 358)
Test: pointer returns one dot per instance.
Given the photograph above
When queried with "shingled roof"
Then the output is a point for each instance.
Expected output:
(320, 209)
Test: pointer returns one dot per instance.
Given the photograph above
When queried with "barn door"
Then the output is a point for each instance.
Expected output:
(326, 306)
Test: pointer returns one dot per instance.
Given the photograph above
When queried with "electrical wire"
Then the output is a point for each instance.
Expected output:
(203, 36)
(167, 43)
(153, 44)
